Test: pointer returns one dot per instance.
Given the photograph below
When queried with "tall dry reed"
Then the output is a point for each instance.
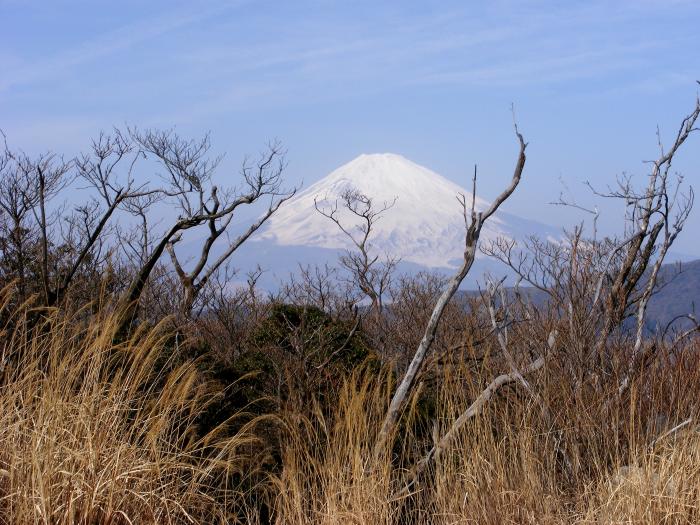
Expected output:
(98, 432)
(567, 457)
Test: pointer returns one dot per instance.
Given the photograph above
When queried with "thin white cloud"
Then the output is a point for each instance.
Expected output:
(526, 47)
(315, 54)
(116, 40)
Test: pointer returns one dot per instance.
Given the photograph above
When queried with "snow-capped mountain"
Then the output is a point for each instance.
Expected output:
(425, 225)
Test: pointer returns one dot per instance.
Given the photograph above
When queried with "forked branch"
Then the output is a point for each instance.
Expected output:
(474, 222)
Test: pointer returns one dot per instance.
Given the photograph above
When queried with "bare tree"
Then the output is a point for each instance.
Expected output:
(67, 245)
(320, 287)
(232, 311)
(17, 232)
(264, 179)
(600, 283)
(30, 187)
(188, 184)
(115, 188)
(138, 242)
(562, 277)
(474, 221)
(40, 179)
(659, 213)
(372, 275)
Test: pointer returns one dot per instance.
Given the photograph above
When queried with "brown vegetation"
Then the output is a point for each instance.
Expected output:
(373, 398)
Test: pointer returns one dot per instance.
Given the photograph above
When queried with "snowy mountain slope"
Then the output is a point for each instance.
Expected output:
(425, 225)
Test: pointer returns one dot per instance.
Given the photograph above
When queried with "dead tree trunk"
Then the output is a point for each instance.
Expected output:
(515, 375)
(474, 222)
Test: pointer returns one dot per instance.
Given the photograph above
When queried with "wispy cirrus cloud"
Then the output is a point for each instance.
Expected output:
(245, 55)
(19, 72)
(527, 45)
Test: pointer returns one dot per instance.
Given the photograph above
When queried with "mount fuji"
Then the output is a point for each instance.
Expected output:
(424, 228)
(425, 225)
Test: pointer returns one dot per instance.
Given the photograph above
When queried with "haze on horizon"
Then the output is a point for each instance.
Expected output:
(590, 82)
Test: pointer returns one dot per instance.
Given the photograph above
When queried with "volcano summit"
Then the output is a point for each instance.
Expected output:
(425, 225)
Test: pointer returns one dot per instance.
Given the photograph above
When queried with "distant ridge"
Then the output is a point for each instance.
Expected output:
(677, 296)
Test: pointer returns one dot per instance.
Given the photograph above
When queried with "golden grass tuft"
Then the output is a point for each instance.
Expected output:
(95, 432)
(329, 474)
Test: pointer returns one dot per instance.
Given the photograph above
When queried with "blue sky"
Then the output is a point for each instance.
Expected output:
(433, 81)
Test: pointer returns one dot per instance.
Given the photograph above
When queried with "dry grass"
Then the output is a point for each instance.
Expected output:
(329, 475)
(96, 432)
(90, 432)
(661, 486)
(514, 464)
